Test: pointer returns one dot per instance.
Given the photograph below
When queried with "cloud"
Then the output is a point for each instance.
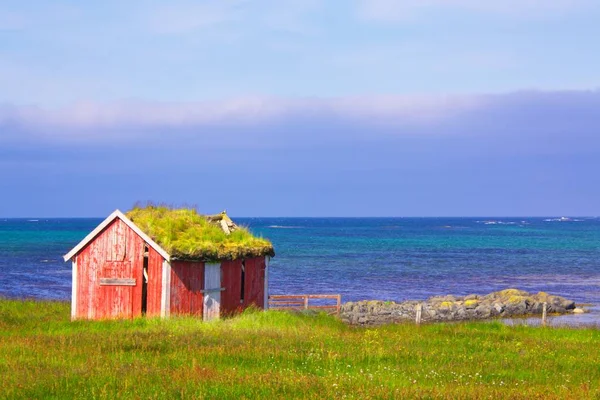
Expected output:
(181, 17)
(517, 122)
(97, 122)
(517, 153)
(10, 21)
(188, 16)
(292, 16)
(393, 10)
(44, 15)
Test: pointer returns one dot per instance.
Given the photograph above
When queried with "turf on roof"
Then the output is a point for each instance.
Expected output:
(187, 235)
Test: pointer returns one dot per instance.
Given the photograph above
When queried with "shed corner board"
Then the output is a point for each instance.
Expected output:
(165, 301)
(74, 288)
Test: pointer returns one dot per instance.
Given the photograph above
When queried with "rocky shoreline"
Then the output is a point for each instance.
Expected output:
(506, 303)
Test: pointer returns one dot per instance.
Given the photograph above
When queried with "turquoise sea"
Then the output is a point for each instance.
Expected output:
(360, 258)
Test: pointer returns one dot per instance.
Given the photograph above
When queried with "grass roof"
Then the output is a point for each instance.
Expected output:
(187, 235)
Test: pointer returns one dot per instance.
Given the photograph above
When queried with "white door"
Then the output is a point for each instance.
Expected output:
(212, 291)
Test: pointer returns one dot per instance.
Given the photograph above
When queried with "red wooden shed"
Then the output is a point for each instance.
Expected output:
(157, 261)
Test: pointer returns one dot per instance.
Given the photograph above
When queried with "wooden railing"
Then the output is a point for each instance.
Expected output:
(302, 302)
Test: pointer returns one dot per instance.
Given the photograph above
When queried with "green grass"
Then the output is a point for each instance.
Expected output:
(185, 234)
(276, 355)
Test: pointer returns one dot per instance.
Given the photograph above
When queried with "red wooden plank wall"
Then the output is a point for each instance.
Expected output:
(187, 281)
(231, 272)
(154, 289)
(255, 282)
(254, 285)
(117, 252)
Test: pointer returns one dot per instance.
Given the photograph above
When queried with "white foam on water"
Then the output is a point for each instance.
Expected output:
(494, 222)
(564, 219)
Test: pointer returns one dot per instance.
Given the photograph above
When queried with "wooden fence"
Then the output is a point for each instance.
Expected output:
(302, 302)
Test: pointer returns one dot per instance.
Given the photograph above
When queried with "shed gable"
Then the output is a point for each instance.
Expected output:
(116, 215)
(110, 274)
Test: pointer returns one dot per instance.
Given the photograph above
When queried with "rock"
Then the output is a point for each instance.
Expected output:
(499, 308)
(536, 308)
(439, 299)
(432, 313)
(578, 310)
(483, 310)
(505, 303)
(471, 303)
(510, 293)
(515, 307)
(446, 305)
(568, 304)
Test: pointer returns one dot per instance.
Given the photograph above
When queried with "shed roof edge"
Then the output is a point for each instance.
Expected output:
(116, 214)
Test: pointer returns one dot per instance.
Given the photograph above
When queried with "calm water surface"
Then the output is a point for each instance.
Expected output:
(361, 258)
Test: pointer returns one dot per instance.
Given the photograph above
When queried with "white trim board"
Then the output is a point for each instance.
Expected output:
(104, 224)
(212, 293)
(165, 293)
(74, 290)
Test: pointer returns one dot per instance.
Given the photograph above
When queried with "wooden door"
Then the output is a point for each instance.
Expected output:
(119, 279)
(231, 281)
(116, 290)
(212, 291)
(255, 282)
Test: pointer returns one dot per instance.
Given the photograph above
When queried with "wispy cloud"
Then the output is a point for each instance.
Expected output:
(514, 154)
(181, 17)
(189, 16)
(31, 17)
(10, 21)
(392, 10)
(96, 121)
(292, 16)
(524, 116)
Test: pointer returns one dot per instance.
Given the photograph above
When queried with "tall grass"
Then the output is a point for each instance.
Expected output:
(282, 355)
(186, 234)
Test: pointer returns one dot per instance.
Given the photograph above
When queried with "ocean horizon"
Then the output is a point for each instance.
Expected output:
(361, 258)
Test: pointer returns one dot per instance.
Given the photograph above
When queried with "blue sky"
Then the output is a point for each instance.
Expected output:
(301, 108)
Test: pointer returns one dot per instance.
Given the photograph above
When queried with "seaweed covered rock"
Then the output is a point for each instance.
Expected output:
(505, 303)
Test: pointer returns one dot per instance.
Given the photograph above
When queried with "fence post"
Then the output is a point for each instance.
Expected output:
(339, 303)
(544, 313)
(306, 302)
(418, 313)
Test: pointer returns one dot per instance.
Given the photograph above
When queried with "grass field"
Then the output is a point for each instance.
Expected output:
(278, 355)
